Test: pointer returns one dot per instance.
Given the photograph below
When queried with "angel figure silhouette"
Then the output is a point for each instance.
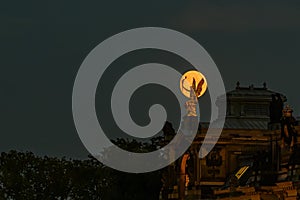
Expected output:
(195, 89)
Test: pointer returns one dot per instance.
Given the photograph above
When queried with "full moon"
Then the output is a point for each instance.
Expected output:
(186, 82)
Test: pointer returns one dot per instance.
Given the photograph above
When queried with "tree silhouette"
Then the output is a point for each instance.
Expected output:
(26, 176)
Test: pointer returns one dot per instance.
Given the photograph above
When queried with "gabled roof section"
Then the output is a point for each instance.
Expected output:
(251, 91)
(244, 124)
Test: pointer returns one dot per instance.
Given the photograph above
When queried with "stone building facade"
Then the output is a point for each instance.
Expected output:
(251, 137)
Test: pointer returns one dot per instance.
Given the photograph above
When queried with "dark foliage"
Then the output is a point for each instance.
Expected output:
(26, 176)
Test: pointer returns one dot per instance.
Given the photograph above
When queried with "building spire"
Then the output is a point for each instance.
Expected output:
(237, 85)
(265, 85)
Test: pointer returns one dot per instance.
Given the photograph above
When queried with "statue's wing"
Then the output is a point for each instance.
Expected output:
(194, 85)
(199, 87)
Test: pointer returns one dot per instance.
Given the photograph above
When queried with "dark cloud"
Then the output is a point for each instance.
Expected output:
(239, 16)
(43, 45)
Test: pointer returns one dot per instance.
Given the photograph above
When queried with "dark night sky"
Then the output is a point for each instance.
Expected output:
(43, 44)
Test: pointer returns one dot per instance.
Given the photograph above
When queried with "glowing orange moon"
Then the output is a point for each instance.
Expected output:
(186, 82)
